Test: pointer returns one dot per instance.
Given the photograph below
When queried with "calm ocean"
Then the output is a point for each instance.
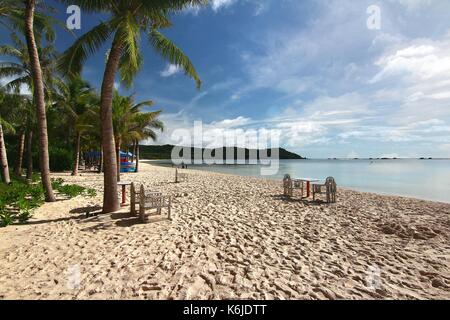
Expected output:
(423, 179)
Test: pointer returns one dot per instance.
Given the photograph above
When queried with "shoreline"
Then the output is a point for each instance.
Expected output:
(231, 237)
(192, 168)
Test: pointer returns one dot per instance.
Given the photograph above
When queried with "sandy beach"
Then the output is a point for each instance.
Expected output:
(231, 237)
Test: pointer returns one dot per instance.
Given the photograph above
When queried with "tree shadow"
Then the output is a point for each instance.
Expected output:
(88, 211)
(304, 201)
(36, 222)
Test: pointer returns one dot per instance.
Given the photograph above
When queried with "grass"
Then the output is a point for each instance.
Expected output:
(18, 200)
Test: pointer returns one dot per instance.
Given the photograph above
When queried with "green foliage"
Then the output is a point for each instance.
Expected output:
(60, 158)
(72, 190)
(18, 200)
(5, 219)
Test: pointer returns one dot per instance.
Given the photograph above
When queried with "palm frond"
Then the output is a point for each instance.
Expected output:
(171, 52)
(72, 59)
(128, 35)
(11, 51)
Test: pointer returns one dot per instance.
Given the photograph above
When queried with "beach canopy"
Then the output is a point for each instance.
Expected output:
(125, 154)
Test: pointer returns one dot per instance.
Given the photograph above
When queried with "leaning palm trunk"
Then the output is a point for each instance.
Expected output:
(4, 159)
(39, 100)
(77, 155)
(19, 158)
(110, 200)
(30, 156)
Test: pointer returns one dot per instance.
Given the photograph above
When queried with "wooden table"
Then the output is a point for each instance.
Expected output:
(308, 184)
(123, 184)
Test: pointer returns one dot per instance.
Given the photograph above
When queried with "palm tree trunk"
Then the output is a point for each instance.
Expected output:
(110, 199)
(30, 156)
(137, 157)
(39, 99)
(3, 159)
(19, 158)
(77, 155)
(133, 157)
(118, 159)
(100, 165)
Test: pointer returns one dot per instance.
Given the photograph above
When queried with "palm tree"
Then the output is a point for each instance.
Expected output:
(146, 123)
(74, 99)
(131, 124)
(20, 118)
(127, 20)
(39, 99)
(5, 100)
(20, 69)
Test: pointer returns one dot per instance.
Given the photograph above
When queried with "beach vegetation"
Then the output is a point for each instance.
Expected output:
(20, 198)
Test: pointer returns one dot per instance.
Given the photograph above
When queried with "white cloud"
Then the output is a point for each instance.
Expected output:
(170, 70)
(218, 4)
(421, 62)
(415, 4)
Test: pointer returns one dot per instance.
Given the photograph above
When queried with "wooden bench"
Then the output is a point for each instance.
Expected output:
(149, 201)
(289, 185)
(329, 188)
(180, 176)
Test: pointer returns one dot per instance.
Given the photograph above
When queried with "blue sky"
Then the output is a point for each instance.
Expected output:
(312, 70)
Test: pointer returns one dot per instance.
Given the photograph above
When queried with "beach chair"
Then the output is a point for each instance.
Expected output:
(329, 188)
(290, 185)
(152, 201)
(180, 176)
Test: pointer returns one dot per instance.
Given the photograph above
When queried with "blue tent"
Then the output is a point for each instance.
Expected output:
(125, 154)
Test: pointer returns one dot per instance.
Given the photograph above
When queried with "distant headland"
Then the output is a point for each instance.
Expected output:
(155, 152)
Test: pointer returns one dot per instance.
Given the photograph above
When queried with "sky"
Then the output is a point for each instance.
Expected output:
(321, 74)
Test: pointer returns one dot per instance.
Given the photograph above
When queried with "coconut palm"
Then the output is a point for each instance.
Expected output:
(131, 124)
(127, 20)
(12, 17)
(7, 101)
(74, 99)
(21, 15)
(20, 70)
(21, 115)
(146, 123)
(39, 99)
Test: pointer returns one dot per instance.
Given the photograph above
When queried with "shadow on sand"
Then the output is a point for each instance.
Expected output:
(306, 202)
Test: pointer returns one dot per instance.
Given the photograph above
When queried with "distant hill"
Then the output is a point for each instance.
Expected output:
(165, 152)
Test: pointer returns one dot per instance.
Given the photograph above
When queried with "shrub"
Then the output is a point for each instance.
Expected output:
(18, 200)
(60, 159)
(72, 190)
(6, 219)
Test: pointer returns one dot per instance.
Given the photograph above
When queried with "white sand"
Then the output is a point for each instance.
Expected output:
(231, 237)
